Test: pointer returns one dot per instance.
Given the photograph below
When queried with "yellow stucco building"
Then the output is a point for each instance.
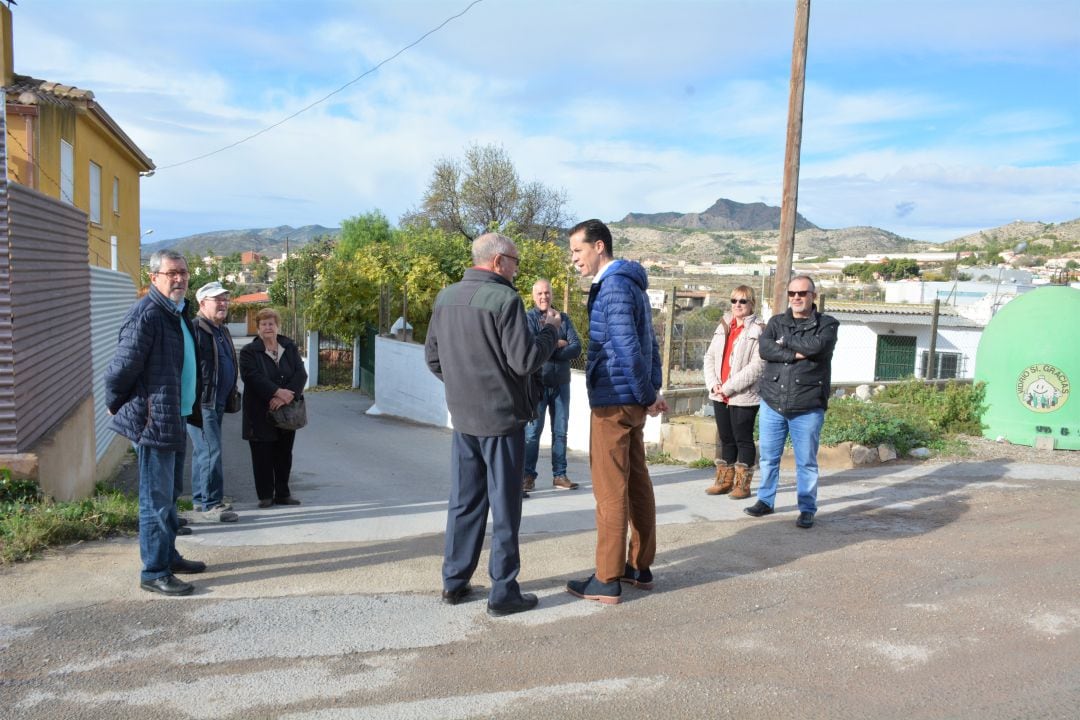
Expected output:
(62, 143)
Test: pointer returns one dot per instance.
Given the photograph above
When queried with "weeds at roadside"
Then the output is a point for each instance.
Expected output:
(30, 523)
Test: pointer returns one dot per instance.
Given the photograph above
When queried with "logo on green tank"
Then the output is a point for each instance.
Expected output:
(1042, 387)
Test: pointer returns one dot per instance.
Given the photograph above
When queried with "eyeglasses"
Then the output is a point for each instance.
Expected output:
(799, 293)
(174, 274)
(739, 301)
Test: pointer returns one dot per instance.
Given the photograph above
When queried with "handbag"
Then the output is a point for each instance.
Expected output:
(292, 416)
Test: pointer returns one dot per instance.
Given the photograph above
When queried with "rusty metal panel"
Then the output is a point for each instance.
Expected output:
(111, 295)
(49, 307)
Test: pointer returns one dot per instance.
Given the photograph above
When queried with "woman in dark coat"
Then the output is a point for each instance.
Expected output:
(273, 374)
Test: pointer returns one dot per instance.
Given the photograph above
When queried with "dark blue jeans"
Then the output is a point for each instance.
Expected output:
(555, 402)
(485, 472)
(207, 475)
(161, 476)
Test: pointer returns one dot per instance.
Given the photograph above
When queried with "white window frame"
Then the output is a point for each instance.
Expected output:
(67, 172)
(95, 193)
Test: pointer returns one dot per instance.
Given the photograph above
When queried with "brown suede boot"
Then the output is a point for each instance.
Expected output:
(724, 479)
(743, 476)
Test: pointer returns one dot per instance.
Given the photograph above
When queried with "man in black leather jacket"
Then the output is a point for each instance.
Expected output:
(797, 347)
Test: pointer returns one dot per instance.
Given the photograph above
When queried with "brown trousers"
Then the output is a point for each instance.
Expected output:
(623, 490)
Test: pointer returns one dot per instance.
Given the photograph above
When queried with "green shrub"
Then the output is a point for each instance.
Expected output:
(955, 408)
(870, 424)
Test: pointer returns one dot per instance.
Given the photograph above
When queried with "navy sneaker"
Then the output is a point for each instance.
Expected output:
(641, 579)
(608, 593)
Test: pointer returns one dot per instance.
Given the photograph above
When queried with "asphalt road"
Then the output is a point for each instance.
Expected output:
(924, 591)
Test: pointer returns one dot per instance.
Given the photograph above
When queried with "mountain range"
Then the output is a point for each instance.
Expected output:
(268, 241)
(727, 231)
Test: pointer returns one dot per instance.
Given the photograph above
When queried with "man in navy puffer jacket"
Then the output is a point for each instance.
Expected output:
(151, 387)
(623, 376)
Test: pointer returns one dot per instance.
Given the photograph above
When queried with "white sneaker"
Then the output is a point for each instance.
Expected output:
(218, 513)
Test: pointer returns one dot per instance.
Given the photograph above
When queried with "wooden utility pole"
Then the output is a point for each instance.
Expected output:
(931, 357)
(785, 248)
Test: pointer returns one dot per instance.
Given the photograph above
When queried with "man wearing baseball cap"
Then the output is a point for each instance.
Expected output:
(218, 369)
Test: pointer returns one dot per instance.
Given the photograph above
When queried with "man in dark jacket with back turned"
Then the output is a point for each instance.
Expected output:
(479, 344)
(152, 388)
(797, 347)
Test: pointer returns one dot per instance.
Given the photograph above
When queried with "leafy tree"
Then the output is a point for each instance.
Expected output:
(483, 192)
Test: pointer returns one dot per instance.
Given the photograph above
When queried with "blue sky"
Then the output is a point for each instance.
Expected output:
(926, 118)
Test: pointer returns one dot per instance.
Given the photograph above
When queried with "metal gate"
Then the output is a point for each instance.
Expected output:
(895, 357)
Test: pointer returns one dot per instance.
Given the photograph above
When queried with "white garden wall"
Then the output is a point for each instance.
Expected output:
(405, 388)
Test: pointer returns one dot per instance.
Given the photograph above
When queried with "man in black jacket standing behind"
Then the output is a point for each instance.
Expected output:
(797, 347)
(479, 344)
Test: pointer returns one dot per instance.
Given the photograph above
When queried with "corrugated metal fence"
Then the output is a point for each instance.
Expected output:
(111, 294)
(48, 308)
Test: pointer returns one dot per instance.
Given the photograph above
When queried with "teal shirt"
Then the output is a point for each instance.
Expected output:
(188, 374)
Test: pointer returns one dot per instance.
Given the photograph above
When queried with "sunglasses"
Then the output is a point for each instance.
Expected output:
(798, 293)
(739, 301)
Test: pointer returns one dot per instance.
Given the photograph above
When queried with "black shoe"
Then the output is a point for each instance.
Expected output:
(453, 597)
(183, 530)
(608, 593)
(187, 567)
(806, 520)
(287, 500)
(526, 602)
(167, 585)
(638, 578)
(758, 509)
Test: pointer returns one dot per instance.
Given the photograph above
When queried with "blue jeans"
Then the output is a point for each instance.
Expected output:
(161, 475)
(207, 475)
(485, 473)
(805, 431)
(556, 402)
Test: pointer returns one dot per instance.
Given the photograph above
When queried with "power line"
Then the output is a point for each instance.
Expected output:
(325, 98)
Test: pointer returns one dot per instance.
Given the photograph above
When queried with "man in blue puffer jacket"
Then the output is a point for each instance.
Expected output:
(151, 387)
(623, 376)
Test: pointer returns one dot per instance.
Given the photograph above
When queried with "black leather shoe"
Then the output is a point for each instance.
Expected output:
(527, 602)
(806, 520)
(758, 509)
(168, 585)
(188, 567)
(453, 597)
(183, 530)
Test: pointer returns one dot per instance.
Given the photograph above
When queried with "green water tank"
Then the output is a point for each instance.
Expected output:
(1029, 358)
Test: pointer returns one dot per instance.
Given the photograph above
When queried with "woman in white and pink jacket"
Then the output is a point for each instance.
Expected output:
(732, 372)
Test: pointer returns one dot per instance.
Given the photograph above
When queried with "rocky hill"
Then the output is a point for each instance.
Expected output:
(657, 243)
(1020, 231)
(722, 215)
(268, 241)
